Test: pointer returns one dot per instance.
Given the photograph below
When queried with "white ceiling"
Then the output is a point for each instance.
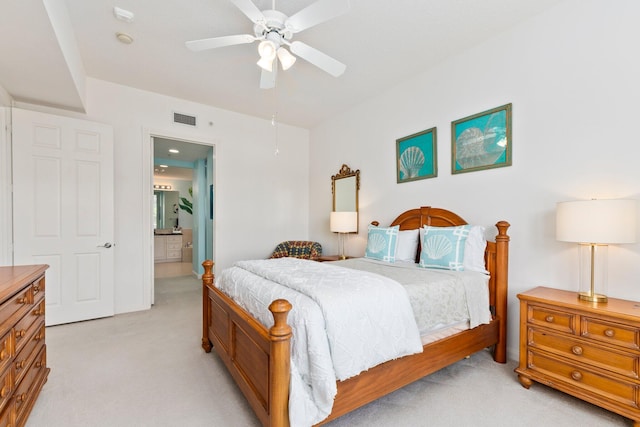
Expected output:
(187, 152)
(382, 43)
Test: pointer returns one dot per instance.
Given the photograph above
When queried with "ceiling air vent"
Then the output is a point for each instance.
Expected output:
(184, 119)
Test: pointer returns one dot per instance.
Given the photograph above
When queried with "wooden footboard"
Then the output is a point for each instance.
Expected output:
(259, 358)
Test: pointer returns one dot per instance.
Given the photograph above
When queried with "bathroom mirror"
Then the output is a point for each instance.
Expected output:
(166, 208)
(344, 187)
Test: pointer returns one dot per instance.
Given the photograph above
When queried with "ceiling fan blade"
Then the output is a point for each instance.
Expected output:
(250, 9)
(317, 58)
(316, 13)
(268, 78)
(215, 42)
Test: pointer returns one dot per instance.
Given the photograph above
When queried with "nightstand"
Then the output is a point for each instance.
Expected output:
(324, 258)
(588, 350)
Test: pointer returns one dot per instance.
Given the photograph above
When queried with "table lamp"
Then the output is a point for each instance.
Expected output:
(594, 224)
(342, 223)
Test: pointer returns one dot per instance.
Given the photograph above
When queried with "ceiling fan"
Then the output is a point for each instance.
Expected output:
(274, 30)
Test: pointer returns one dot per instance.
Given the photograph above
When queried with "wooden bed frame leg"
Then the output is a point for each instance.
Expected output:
(502, 261)
(279, 361)
(207, 279)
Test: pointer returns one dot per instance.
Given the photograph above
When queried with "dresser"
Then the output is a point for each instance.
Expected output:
(589, 350)
(23, 357)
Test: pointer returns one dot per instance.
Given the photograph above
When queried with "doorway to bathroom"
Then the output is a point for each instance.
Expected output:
(183, 203)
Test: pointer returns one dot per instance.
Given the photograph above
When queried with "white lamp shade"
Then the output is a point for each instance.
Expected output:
(266, 64)
(267, 49)
(286, 59)
(343, 222)
(597, 221)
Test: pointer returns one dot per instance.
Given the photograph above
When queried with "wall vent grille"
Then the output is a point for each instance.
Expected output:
(184, 119)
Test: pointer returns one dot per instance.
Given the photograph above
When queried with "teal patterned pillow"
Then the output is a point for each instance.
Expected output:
(443, 247)
(381, 243)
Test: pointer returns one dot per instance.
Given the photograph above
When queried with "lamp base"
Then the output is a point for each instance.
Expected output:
(592, 297)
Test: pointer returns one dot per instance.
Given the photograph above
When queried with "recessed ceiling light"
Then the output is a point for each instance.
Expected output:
(124, 38)
(123, 15)
(173, 150)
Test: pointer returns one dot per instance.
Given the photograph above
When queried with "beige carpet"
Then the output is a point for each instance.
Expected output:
(148, 369)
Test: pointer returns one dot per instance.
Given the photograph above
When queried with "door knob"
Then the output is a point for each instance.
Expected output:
(106, 245)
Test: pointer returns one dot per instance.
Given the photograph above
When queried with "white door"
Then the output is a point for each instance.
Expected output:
(63, 211)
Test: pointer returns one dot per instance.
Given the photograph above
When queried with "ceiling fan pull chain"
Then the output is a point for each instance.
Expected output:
(274, 123)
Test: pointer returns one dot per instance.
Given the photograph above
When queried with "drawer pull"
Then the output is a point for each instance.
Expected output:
(576, 375)
(39, 364)
(20, 364)
(3, 354)
(549, 319)
(36, 289)
(38, 312)
(577, 350)
(20, 334)
(22, 300)
(39, 336)
(21, 397)
(4, 392)
(609, 332)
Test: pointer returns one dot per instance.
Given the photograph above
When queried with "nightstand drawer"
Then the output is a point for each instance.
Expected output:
(623, 363)
(609, 332)
(550, 318)
(622, 392)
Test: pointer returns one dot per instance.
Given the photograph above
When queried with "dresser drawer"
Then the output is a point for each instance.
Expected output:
(25, 390)
(6, 388)
(32, 346)
(6, 417)
(622, 392)
(15, 308)
(6, 350)
(623, 363)
(25, 327)
(612, 333)
(38, 289)
(550, 318)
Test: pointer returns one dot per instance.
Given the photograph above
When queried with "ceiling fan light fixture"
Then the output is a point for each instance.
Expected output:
(266, 64)
(267, 50)
(286, 59)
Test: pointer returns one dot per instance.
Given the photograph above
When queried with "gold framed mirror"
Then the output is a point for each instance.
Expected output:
(344, 187)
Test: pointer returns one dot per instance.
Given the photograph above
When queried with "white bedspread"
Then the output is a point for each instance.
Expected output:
(345, 322)
(438, 297)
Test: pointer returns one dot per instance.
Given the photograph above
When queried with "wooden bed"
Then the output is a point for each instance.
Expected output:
(258, 358)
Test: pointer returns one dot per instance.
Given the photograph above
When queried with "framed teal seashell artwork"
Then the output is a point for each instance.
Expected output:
(416, 156)
(481, 141)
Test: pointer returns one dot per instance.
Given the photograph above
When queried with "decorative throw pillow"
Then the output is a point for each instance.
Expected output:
(474, 249)
(407, 249)
(381, 243)
(443, 247)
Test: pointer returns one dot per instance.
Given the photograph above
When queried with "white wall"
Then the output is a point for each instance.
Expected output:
(572, 77)
(258, 204)
(6, 219)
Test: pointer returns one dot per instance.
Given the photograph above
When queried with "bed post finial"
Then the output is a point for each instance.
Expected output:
(207, 282)
(279, 361)
(207, 277)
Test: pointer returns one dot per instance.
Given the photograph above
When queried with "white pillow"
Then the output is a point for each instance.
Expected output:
(474, 248)
(407, 248)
